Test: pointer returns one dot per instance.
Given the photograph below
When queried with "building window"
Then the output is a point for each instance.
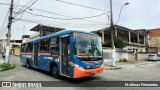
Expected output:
(44, 45)
(53, 47)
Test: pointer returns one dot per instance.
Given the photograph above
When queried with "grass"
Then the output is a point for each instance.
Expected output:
(6, 67)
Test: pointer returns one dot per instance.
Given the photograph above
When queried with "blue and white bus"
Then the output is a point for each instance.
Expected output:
(69, 53)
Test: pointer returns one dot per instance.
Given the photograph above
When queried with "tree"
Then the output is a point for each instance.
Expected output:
(118, 42)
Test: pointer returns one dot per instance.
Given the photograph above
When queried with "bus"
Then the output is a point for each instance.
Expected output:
(69, 53)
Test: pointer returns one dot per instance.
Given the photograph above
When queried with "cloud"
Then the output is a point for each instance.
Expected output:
(141, 14)
(138, 14)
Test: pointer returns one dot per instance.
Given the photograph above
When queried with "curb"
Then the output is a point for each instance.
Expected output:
(113, 68)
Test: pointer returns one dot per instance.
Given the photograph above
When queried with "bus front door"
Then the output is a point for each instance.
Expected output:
(35, 59)
(65, 54)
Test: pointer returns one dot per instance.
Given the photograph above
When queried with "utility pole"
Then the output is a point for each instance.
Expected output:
(112, 38)
(9, 33)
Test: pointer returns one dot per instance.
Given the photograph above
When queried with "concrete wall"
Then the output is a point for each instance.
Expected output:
(130, 56)
(140, 49)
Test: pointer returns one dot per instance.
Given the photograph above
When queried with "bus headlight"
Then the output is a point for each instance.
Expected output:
(79, 67)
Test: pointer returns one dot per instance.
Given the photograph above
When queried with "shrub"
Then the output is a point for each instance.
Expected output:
(120, 60)
(7, 66)
(125, 60)
(118, 42)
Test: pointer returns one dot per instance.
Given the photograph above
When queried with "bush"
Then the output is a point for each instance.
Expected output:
(118, 42)
(7, 67)
(125, 60)
(120, 60)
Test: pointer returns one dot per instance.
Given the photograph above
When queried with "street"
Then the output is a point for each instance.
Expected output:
(146, 71)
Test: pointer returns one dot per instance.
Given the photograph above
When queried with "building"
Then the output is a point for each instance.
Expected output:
(154, 37)
(135, 39)
(42, 30)
(25, 38)
(14, 46)
(3, 44)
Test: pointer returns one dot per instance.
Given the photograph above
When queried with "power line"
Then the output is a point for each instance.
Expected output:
(81, 5)
(66, 18)
(18, 12)
(4, 4)
(17, 5)
(4, 21)
(1, 34)
(39, 22)
(40, 10)
(26, 7)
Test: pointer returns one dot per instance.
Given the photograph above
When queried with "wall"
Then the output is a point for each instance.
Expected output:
(129, 55)
(154, 35)
(140, 48)
(16, 51)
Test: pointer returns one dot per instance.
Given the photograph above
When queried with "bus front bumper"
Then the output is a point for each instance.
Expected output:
(87, 72)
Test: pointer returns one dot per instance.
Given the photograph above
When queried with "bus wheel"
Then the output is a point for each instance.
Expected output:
(28, 64)
(54, 71)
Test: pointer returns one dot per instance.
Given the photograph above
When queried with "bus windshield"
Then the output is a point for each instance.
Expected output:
(88, 45)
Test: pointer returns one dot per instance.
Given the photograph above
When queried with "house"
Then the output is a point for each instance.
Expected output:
(25, 38)
(14, 46)
(154, 37)
(135, 39)
(138, 43)
(43, 30)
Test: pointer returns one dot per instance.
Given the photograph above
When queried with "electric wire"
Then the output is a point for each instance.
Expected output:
(81, 5)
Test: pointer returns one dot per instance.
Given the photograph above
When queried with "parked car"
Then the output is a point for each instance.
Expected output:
(154, 57)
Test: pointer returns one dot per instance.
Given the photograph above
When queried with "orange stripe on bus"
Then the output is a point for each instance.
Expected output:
(88, 72)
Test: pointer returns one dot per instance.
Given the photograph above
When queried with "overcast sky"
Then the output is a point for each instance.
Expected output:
(139, 14)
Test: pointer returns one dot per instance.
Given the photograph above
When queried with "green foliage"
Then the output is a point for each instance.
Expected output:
(107, 44)
(123, 60)
(6, 67)
(120, 60)
(118, 42)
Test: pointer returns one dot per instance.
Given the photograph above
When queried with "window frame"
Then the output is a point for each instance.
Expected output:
(56, 43)
(42, 44)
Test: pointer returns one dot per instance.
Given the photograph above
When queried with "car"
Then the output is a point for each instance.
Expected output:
(154, 57)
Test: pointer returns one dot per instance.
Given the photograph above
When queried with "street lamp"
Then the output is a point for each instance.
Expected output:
(119, 17)
(121, 11)
(112, 32)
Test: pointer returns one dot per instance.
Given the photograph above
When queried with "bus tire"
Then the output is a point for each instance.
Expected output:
(54, 70)
(28, 64)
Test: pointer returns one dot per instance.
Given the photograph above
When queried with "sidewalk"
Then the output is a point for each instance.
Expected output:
(119, 65)
(1, 61)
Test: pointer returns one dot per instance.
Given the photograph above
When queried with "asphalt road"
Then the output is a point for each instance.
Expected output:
(142, 72)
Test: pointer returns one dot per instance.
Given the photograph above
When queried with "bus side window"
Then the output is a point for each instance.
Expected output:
(44, 45)
(22, 48)
(30, 47)
(53, 44)
(25, 48)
